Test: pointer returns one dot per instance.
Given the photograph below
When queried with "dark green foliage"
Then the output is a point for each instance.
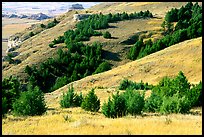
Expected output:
(195, 95)
(91, 102)
(174, 96)
(31, 34)
(60, 82)
(131, 40)
(42, 26)
(108, 109)
(134, 102)
(79, 61)
(127, 84)
(71, 99)
(129, 102)
(175, 104)
(135, 50)
(52, 24)
(107, 35)
(10, 90)
(30, 103)
(104, 66)
(189, 20)
(153, 103)
(4, 106)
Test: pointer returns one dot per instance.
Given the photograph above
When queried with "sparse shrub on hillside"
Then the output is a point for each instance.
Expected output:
(31, 34)
(91, 102)
(30, 103)
(71, 99)
(52, 24)
(107, 35)
(42, 26)
(125, 84)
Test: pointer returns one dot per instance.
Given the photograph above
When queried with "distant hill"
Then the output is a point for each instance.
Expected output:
(39, 16)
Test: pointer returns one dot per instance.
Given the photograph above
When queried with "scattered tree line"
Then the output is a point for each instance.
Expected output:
(170, 95)
(188, 26)
(89, 103)
(174, 95)
(87, 28)
(50, 24)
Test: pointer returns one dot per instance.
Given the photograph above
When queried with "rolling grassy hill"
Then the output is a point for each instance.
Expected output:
(35, 49)
(185, 56)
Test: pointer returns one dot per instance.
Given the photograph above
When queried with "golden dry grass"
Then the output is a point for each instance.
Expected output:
(87, 123)
(185, 56)
(157, 8)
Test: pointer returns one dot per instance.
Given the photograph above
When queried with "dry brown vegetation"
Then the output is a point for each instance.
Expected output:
(185, 56)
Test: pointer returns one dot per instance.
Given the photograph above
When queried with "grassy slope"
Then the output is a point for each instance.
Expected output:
(35, 50)
(185, 56)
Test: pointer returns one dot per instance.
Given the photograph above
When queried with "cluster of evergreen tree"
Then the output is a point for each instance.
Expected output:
(174, 95)
(15, 100)
(89, 103)
(82, 60)
(189, 25)
(50, 24)
(87, 27)
(127, 84)
(70, 65)
(129, 102)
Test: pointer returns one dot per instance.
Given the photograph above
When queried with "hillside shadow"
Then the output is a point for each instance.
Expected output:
(110, 55)
(112, 27)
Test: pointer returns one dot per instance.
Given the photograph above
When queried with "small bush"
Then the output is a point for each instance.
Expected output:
(70, 99)
(31, 34)
(107, 35)
(175, 104)
(30, 103)
(42, 26)
(91, 102)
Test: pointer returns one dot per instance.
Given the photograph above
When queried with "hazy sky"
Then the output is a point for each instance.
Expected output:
(38, 6)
